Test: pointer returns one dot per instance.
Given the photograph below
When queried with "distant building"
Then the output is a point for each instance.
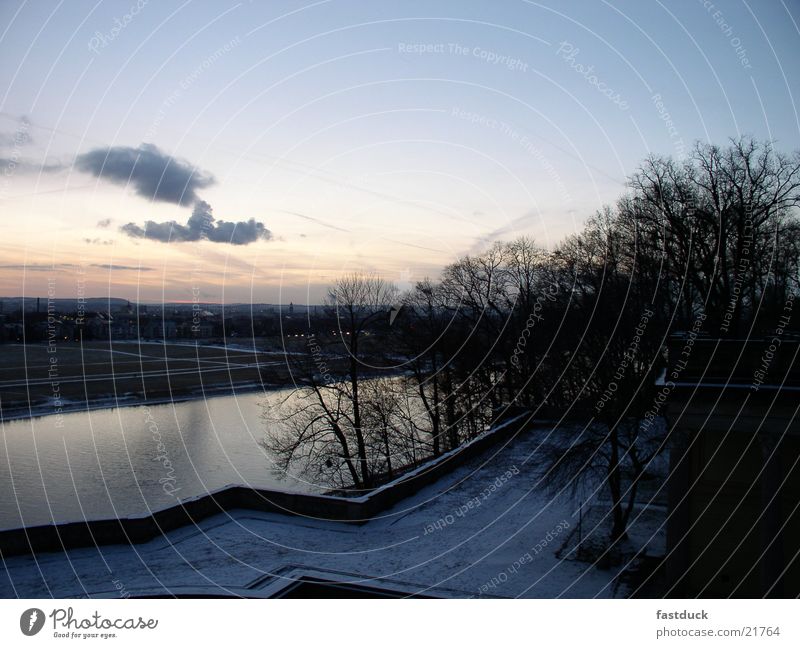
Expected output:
(202, 329)
(98, 324)
(161, 329)
(124, 327)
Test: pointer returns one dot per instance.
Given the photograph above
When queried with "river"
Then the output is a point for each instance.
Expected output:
(127, 461)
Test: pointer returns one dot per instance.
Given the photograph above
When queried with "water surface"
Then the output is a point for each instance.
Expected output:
(131, 460)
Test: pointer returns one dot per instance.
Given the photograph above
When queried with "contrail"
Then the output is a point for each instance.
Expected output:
(313, 220)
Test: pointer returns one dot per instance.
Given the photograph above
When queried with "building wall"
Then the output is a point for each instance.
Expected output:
(734, 497)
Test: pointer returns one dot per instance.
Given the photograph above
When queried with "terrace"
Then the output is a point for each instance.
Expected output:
(479, 525)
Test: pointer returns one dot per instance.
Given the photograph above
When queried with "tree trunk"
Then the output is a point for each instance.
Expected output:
(361, 447)
(618, 529)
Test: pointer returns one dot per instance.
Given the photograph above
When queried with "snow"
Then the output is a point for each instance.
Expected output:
(503, 544)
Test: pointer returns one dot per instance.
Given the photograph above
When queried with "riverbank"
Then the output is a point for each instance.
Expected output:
(38, 380)
(48, 380)
(48, 409)
(98, 376)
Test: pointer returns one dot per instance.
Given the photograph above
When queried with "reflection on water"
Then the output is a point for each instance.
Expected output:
(130, 460)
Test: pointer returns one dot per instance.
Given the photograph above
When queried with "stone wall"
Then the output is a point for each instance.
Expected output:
(132, 530)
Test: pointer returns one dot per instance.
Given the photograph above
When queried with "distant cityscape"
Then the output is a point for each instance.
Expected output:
(41, 319)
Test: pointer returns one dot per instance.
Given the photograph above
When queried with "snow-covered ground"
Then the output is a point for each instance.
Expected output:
(486, 529)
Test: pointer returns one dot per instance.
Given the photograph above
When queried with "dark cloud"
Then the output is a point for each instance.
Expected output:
(98, 241)
(201, 225)
(104, 223)
(114, 266)
(152, 173)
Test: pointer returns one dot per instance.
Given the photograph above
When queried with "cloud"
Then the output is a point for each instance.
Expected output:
(38, 267)
(157, 176)
(114, 266)
(15, 139)
(152, 173)
(16, 164)
(511, 228)
(201, 225)
(19, 137)
(314, 220)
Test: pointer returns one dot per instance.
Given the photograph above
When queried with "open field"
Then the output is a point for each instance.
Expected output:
(76, 375)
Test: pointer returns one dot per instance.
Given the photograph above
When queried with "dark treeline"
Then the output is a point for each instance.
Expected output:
(707, 246)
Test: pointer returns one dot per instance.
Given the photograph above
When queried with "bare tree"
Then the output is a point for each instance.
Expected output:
(324, 423)
(716, 233)
(725, 226)
(421, 339)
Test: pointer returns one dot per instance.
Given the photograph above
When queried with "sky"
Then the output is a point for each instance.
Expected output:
(254, 151)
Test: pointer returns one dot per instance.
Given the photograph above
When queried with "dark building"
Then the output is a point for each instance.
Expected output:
(734, 487)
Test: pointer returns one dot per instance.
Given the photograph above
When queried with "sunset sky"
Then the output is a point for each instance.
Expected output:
(337, 135)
